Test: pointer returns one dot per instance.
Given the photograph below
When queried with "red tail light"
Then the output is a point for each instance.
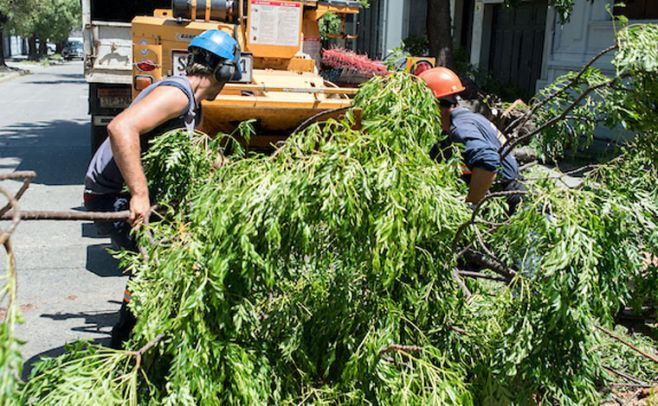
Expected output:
(146, 65)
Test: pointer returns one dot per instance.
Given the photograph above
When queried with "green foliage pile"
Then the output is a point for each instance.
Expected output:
(324, 274)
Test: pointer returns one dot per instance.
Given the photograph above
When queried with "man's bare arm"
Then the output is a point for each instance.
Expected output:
(481, 181)
(163, 104)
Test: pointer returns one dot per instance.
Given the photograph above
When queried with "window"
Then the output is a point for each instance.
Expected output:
(638, 9)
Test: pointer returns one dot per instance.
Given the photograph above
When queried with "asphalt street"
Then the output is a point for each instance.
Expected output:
(69, 286)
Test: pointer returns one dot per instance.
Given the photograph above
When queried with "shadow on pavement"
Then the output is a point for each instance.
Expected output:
(89, 230)
(61, 79)
(93, 321)
(55, 352)
(55, 82)
(57, 150)
(101, 262)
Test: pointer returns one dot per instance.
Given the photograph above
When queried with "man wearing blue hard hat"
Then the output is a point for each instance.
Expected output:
(171, 103)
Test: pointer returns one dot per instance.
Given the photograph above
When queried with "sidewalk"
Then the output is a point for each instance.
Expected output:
(19, 66)
(13, 71)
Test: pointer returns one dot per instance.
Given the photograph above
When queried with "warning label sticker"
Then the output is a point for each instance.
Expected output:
(275, 22)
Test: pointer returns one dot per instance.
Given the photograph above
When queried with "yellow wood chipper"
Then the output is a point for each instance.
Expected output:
(280, 42)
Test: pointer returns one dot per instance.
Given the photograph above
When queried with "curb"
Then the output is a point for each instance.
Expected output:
(13, 75)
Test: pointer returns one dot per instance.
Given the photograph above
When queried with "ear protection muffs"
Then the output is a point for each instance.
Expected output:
(234, 73)
(225, 71)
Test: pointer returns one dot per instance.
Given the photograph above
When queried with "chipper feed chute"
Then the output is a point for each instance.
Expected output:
(281, 87)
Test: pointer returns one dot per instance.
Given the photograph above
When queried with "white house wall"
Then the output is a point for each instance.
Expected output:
(566, 47)
(570, 46)
(394, 22)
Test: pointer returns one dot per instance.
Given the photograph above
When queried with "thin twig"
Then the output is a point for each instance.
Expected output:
(616, 398)
(317, 117)
(491, 224)
(151, 343)
(630, 385)
(462, 285)
(528, 166)
(509, 146)
(560, 175)
(400, 348)
(629, 345)
(138, 354)
(26, 184)
(480, 239)
(477, 208)
(15, 216)
(459, 330)
(479, 275)
(523, 119)
(626, 376)
(18, 175)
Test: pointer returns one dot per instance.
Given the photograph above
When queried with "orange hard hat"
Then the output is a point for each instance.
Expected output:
(442, 81)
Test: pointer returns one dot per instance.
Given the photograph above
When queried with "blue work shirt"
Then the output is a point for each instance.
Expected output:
(481, 144)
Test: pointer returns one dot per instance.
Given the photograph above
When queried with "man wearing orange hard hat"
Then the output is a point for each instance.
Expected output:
(484, 167)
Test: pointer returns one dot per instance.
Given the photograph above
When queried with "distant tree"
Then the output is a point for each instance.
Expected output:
(3, 21)
(12, 14)
(50, 20)
(439, 26)
(21, 18)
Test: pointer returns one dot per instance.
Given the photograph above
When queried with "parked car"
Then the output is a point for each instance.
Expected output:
(73, 49)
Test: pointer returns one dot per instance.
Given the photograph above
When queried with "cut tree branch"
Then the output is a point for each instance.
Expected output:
(68, 215)
(509, 145)
(645, 354)
(493, 264)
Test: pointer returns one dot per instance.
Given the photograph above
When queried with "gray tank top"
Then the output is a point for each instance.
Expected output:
(103, 175)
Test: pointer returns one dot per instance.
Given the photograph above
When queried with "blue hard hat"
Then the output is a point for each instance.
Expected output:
(220, 44)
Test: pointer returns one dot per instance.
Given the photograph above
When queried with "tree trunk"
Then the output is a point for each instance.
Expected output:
(32, 43)
(43, 48)
(3, 64)
(439, 31)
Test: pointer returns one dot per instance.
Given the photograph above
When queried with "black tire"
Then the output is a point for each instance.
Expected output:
(98, 135)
